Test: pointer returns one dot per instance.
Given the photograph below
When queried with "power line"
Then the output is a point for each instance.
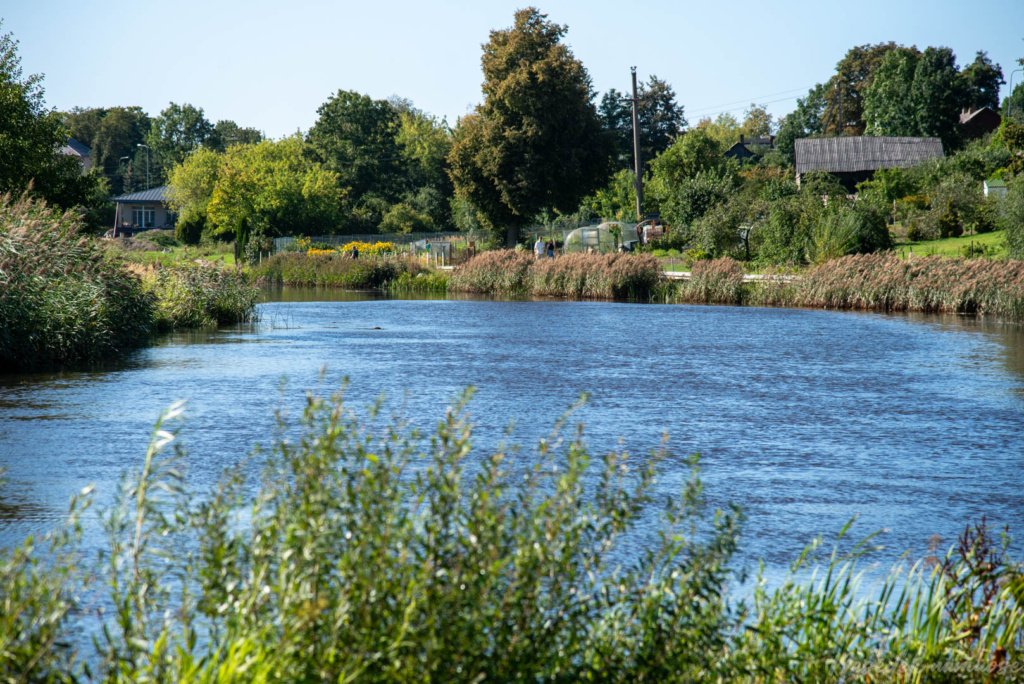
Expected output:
(749, 100)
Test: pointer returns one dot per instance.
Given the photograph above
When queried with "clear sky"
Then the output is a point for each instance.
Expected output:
(269, 65)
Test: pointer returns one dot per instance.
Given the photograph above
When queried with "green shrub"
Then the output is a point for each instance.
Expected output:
(1011, 217)
(334, 269)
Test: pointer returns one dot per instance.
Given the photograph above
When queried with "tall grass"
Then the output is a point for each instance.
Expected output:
(930, 284)
(576, 276)
(61, 301)
(716, 281)
(334, 269)
(198, 295)
(371, 553)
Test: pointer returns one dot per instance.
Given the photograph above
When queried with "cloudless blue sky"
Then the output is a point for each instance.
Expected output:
(270, 64)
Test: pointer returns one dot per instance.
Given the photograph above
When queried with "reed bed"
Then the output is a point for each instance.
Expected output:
(61, 300)
(335, 269)
(574, 276)
(369, 552)
(930, 284)
(199, 294)
(879, 282)
(715, 281)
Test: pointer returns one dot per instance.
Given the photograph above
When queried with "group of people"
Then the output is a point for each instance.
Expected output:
(542, 249)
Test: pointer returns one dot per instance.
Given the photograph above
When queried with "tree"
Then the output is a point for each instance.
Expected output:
(536, 142)
(725, 129)
(30, 139)
(227, 133)
(888, 102)
(659, 117)
(807, 120)
(938, 95)
(177, 131)
(757, 122)
(844, 93)
(113, 134)
(981, 80)
(356, 137)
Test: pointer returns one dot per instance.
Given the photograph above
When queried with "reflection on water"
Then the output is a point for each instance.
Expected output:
(806, 418)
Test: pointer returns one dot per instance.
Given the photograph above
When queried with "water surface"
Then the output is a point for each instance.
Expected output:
(803, 417)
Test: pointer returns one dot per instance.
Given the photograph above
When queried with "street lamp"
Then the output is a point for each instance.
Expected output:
(1010, 96)
(147, 163)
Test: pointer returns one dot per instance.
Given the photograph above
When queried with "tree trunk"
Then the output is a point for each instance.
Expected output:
(511, 236)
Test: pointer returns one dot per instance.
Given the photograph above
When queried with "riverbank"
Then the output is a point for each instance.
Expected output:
(65, 300)
(443, 563)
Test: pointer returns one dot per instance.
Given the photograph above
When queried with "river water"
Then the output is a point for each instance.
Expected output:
(803, 417)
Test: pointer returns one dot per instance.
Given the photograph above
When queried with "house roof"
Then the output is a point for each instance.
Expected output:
(848, 153)
(76, 148)
(157, 194)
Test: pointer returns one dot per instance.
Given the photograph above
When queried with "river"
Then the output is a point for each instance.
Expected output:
(803, 417)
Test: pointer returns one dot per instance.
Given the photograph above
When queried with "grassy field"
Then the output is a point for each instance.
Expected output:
(168, 256)
(987, 244)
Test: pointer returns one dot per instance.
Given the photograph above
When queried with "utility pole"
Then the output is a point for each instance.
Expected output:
(638, 164)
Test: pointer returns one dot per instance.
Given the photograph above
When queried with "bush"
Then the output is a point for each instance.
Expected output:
(190, 231)
(62, 301)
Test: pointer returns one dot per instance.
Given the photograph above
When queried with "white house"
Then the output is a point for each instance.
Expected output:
(142, 210)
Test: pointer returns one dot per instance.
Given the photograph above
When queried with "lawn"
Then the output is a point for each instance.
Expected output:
(986, 244)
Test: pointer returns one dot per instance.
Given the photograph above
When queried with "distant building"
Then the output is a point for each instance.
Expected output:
(854, 159)
(979, 122)
(137, 211)
(80, 151)
(994, 188)
(742, 150)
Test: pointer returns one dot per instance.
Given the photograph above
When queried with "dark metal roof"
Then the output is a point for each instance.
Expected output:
(157, 194)
(848, 154)
(76, 147)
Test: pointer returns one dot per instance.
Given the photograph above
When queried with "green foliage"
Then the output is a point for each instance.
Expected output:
(367, 551)
(536, 142)
(113, 134)
(355, 137)
(685, 201)
(262, 190)
(889, 108)
(1011, 217)
(61, 300)
(660, 120)
(177, 131)
(617, 200)
(200, 295)
(335, 270)
(402, 218)
(227, 133)
(981, 80)
(30, 139)
(691, 154)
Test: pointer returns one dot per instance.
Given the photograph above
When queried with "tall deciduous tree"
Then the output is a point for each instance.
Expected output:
(807, 120)
(888, 104)
(356, 137)
(938, 95)
(227, 133)
(536, 143)
(113, 134)
(844, 93)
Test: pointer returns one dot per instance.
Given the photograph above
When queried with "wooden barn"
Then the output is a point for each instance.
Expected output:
(854, 159)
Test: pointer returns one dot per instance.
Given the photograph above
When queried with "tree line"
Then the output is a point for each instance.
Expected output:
(540, 147)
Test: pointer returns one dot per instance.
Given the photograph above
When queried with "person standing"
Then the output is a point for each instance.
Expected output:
(538, 248)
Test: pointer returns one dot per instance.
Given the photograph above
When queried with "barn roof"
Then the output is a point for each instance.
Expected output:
(848, 154)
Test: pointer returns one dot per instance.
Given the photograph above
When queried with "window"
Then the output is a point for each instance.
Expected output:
(144, 217)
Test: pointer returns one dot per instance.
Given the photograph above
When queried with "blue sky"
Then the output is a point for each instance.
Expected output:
(271, 64)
